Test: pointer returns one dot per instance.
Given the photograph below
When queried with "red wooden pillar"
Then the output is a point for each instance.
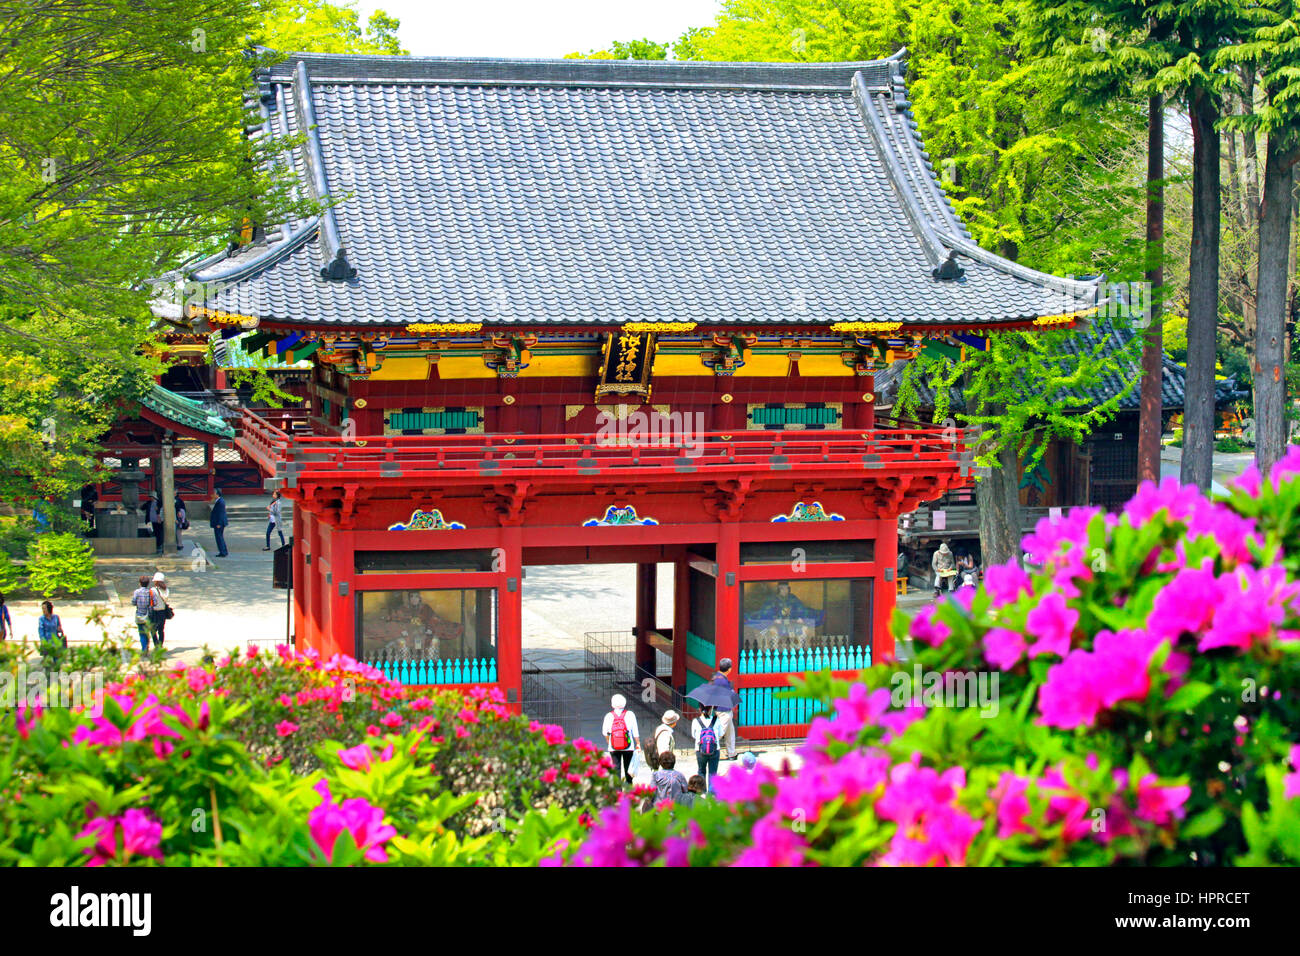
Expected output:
(342, 637)
(885, 589)
(315, 585)
(727, 593)
(681, 622)
(647, 580)
(300, 581)
(510, 616)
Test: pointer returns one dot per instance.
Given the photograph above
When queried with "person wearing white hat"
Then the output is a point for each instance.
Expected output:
(159, 607)
(664, 732)
(622, 736)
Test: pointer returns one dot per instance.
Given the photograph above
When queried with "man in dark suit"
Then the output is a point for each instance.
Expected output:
(218, 522)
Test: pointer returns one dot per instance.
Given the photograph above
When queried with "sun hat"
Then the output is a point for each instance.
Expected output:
(671, 716)
(618, 702)
(159, 576)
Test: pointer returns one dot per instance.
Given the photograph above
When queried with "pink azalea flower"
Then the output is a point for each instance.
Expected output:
(553, 734)
(925, 628)
(391, 720)
(1003, 647)
(358, 817)
(1052, 623)
(285, 727)
(550, 775)
(1292, 780)
(1005, 583)
(1160, 805)
(140, 836)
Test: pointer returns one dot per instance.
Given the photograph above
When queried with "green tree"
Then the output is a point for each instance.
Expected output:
(630, 50)
(318, 26)
(1273, 49)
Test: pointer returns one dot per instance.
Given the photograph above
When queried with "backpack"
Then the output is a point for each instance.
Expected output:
(618, 739)
(708, 739)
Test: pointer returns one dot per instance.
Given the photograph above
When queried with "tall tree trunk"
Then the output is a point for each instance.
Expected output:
(1270, 328)
(1203, 293)
(1149, 413)
(997, 501)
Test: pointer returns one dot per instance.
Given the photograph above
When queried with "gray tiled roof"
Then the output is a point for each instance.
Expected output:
(1121, 371)
(587, 191)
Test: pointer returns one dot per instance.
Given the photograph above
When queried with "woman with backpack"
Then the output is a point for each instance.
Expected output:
(622, 736)
(704, 732)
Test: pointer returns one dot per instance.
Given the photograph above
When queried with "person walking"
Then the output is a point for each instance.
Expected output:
(622, 737)
(6, 622)
(182, 519)
(218, 522)
(48, 625)
(663, 735)
(159, 607)
(727, 718)
(142, 598)
(154, 515)
(944, 566)
(273, 520)
(704, 731)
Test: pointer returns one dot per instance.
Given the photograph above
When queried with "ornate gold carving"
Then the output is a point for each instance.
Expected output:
(866, 326)
(659, 326)
(444, 328)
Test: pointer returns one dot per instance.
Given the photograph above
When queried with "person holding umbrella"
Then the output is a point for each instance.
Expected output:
(727, 714)
(706, 729)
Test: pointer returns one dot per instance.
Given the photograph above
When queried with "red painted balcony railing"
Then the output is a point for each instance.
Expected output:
(474, 459)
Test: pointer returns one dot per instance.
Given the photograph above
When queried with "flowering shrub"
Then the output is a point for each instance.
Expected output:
(1146, 673)
(288, 760)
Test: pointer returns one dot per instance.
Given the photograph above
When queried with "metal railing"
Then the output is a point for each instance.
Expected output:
(545, 699)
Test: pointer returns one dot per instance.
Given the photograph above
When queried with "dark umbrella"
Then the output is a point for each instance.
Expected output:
(714, 695)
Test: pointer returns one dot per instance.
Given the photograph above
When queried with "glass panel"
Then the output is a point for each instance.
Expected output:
(791, 616)
(811, 552)
(427, 625)
(418, 562)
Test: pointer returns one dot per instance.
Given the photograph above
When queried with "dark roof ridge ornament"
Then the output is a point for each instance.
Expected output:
(949, 271)
(338, 270)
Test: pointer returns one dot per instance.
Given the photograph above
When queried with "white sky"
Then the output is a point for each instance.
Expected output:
(536, 28)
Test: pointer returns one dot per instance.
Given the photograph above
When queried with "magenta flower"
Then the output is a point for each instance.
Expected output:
(391, 720)
(773, 845)
(1160, 805)
(1292, 780)
(1003, 647)
(362, 758)
(1004, 583)
(140, 835)
(285, 727)
(925, 628)
(1052, 623)
(358, 817)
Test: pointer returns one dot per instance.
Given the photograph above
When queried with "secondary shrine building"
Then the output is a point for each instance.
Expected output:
(584, 311)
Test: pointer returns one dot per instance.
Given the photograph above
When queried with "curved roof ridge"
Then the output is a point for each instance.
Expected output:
(336, 266)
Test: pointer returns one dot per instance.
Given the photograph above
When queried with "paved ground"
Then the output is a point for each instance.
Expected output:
(220, 602)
